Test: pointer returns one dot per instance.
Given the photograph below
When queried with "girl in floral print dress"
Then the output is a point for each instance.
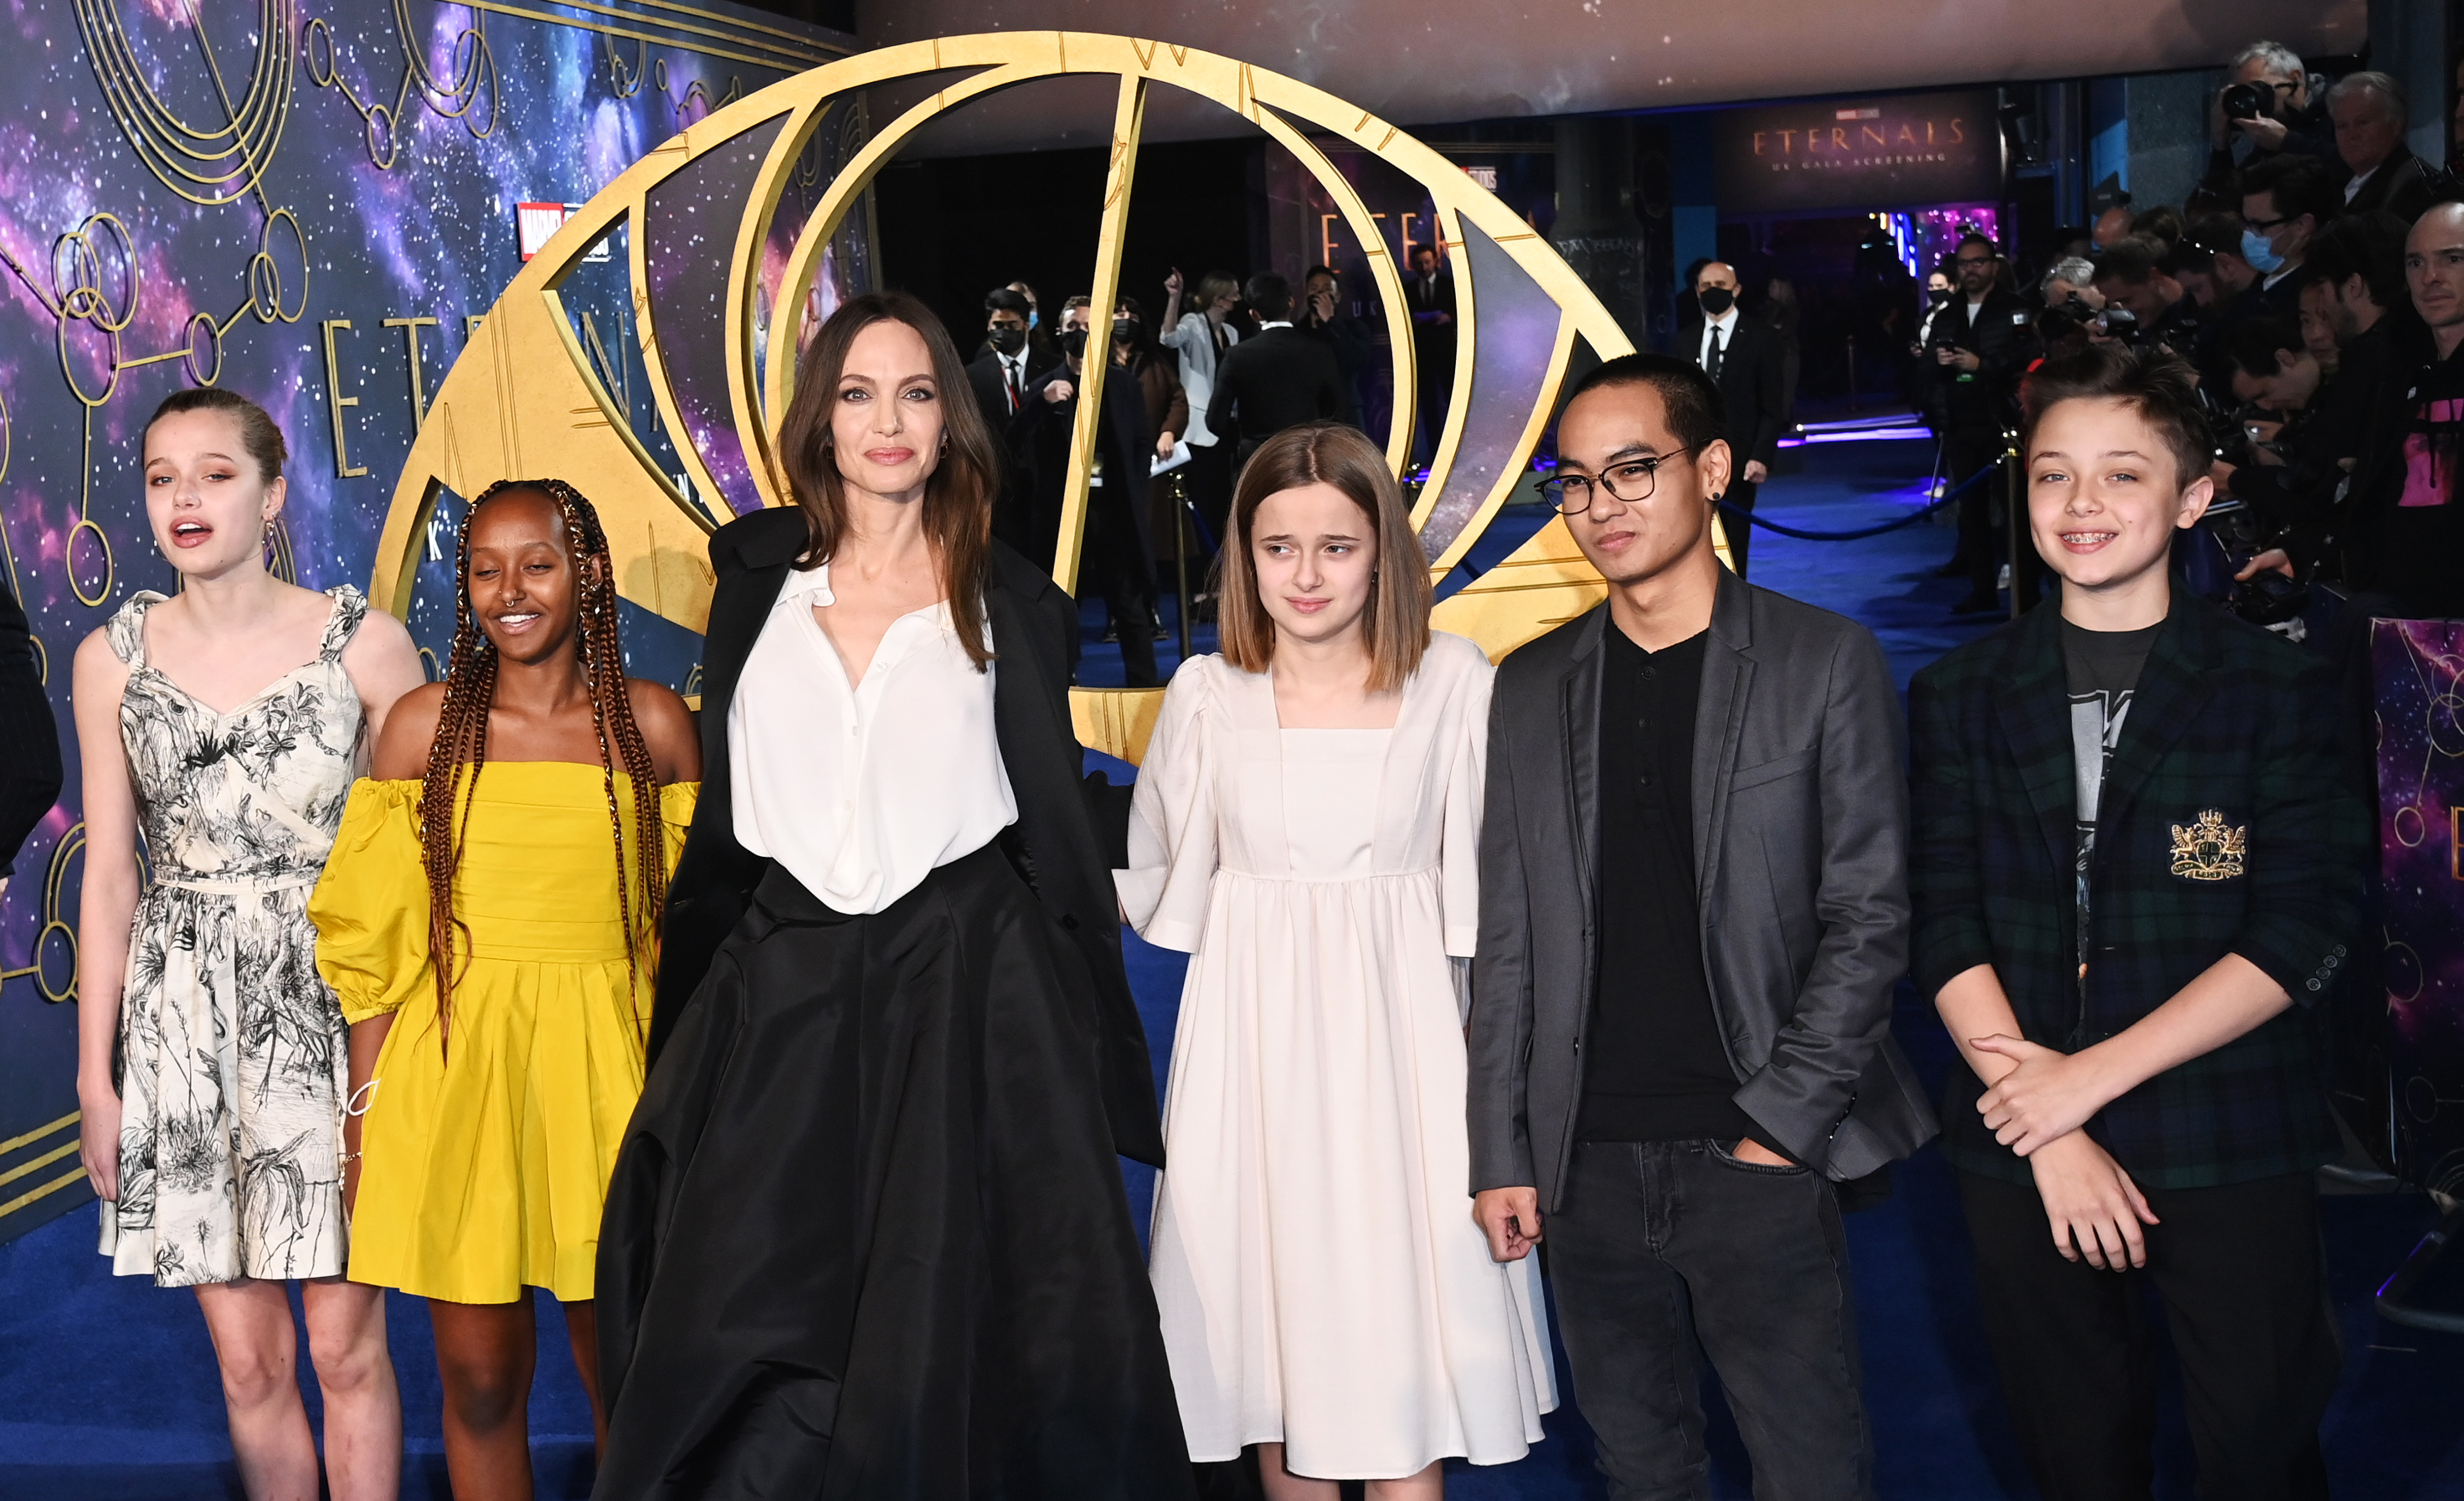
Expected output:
(225, 726)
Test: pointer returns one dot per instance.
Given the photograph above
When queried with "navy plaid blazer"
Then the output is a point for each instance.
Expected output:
(2227, 720)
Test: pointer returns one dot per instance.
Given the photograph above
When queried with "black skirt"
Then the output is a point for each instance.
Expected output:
(867, 1236)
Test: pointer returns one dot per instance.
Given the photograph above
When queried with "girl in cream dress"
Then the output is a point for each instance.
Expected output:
(1307, 827)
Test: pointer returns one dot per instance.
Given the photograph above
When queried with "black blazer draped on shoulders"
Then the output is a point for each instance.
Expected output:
(1072, 830)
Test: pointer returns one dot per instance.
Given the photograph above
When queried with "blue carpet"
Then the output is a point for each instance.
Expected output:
(108, 1386)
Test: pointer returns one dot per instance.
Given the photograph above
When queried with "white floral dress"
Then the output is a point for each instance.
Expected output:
(232, 1056)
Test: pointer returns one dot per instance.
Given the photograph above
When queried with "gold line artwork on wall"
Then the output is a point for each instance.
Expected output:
(485, 419)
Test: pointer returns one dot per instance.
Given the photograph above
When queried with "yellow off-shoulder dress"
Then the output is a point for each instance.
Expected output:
(484, 1165)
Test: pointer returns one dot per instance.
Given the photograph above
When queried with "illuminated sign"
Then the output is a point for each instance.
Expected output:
(1863, 154)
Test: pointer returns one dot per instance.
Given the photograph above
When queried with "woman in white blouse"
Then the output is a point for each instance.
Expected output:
(1307, 827)
(867, 1236)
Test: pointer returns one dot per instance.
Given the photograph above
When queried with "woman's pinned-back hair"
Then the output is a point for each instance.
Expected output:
(1397, 625)
(958, 496)
(258, 432)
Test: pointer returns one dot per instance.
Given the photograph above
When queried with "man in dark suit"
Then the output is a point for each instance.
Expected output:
(2137, 870)
(1980, 348)
(29, 740)
(1743, 357)
(1280, 378)
(1430, 295)
(1692, 912)
(2368, 112)
(1003, 379)
(1114, 562)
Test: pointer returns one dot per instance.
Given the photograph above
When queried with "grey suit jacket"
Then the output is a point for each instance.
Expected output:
(1800, 854)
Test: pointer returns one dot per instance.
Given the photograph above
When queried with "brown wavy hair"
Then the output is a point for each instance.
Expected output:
(1396, 626)
(959, 488)
(462, 739)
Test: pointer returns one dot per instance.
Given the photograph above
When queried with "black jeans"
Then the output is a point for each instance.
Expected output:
(2245, 1299)
(1658, 1245)
(1114, 567)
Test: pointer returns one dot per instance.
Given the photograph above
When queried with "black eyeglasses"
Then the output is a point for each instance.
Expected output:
(2263, 225)
(1632, 481)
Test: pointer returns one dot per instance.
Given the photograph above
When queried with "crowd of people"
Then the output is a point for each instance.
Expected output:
(1226, 366)
(2310, 279)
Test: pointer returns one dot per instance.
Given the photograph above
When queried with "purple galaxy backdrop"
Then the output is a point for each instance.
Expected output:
(2418, 666)
(197, 191)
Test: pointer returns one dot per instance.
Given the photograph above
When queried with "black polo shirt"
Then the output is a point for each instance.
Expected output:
(1655, 1069)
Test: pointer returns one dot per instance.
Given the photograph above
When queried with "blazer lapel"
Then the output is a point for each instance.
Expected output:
(1581, 722)
(1719, 714)
(737, 616)
(2034, 705)
(1021, 717)
(2172, 688)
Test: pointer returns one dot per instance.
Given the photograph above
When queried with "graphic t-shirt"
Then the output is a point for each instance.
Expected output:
(2102, 668)
(2425, 481)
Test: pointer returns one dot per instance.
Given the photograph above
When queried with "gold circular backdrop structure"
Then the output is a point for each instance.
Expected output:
(524, 398)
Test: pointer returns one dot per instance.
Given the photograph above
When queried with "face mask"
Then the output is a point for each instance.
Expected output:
(1032, 318)
(1007, 339)
(1124, 330)
(1938, 296)
(2260, 255)
(1716, 301)
(1073, 344)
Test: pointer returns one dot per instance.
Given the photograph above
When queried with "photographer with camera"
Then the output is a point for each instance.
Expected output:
(1978, 349)
(2136, 276)
(2071, 310)
(2265, 110)
(2292, 470)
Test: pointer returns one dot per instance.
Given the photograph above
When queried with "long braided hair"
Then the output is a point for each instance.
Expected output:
(462, 738)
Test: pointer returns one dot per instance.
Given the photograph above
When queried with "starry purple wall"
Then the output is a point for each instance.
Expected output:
(2419, 668)
(298, 161)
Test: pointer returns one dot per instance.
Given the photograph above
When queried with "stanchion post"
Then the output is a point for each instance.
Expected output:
(1180, 558)
(1852, 373)
(2014, 510)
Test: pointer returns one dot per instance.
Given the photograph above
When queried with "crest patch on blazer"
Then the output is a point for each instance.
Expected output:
(2206, 850)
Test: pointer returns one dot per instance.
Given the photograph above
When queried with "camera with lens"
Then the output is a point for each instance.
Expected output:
(2266, 597)
(2229, 431)
(2072, 315)
(2249, 102)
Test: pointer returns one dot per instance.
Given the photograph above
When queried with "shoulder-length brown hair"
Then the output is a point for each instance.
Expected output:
(1396, 623)
(959, 488)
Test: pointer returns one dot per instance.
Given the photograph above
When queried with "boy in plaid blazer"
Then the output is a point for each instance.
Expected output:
(2136, 870)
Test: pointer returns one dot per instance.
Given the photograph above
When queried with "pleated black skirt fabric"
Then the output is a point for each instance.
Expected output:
(867, 1236)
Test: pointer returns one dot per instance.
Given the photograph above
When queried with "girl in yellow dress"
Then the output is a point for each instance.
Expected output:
(490, 1094)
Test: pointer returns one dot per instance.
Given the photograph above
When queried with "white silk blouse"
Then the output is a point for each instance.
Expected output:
(862, 790)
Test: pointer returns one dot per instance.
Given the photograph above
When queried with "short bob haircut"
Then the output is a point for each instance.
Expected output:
(2156, 383)
(1397, 625)
(958, 494)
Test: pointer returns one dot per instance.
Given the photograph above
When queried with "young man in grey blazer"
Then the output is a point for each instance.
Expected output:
(1693, 910)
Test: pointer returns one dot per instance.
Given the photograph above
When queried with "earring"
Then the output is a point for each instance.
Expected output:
(1715, 498)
